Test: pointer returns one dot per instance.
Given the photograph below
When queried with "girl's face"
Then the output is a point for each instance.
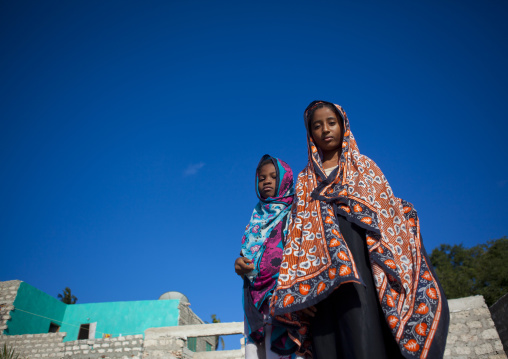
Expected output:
(326, 130)
(267, 179)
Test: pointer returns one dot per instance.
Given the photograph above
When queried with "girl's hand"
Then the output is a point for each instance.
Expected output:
(243, 266)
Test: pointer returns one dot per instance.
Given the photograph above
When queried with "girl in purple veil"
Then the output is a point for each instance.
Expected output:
(261, 255)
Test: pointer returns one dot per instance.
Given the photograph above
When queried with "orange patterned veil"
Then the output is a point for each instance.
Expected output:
(317, 260)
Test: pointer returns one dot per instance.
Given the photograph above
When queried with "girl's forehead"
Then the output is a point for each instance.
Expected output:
(266, 168)
(324, 112)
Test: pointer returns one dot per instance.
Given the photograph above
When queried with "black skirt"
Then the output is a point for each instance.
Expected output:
(349, 323)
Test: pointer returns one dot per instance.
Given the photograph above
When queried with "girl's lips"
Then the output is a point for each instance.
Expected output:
(328, 139)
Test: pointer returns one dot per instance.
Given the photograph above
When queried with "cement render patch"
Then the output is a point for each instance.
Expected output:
(468, 303)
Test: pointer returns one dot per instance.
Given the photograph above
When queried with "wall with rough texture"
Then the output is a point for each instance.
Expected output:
(35, 345)
(499, 312)
(50, 345)
(129, 346)
(172, 341)
(8, 292)
(472, 334)
(188, 317)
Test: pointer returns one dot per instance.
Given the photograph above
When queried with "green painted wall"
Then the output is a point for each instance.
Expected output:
(43, 307)
(35, 310)
(115, 318)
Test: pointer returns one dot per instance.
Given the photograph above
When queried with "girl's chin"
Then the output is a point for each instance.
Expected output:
(330, 148)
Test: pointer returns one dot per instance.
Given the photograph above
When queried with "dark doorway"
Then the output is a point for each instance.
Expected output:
(84, 331)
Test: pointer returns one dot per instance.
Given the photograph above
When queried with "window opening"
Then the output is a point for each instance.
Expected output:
(191, 344)
(84, 331)
(53, 328)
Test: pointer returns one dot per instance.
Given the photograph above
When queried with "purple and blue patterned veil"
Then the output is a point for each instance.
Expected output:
(263, 242)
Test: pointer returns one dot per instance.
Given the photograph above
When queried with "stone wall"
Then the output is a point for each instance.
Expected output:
(8, 292)
(171, 342)
(35, 345)
(130, 346)
(472, 333)
(188, 317)
(499, 311)
(50, 345)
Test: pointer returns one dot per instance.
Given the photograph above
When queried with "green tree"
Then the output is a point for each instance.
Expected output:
(482, 269)
(217, 338)
(67, 296)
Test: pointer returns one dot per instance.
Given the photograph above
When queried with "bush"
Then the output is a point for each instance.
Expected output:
(8, 353)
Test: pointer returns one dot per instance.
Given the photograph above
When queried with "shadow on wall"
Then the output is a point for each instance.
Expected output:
(499, 312)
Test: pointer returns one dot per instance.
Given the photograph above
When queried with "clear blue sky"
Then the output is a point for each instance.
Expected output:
(130, 130)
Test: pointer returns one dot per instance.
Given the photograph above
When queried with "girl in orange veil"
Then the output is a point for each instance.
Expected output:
(354, 252)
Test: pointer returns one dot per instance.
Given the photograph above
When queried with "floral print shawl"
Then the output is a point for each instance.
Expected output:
(317, 259)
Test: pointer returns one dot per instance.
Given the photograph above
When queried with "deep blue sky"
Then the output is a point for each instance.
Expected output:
(130, 130)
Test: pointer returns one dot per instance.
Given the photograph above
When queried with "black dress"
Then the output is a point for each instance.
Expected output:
(349, 323)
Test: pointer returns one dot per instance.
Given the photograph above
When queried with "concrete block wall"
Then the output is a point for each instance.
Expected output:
(499, 312)
(130, 346)
(472, 334)
(50, 345)
(8, 292)
(188, 317)
(171, 342)
(165, 347)
(33, 346)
